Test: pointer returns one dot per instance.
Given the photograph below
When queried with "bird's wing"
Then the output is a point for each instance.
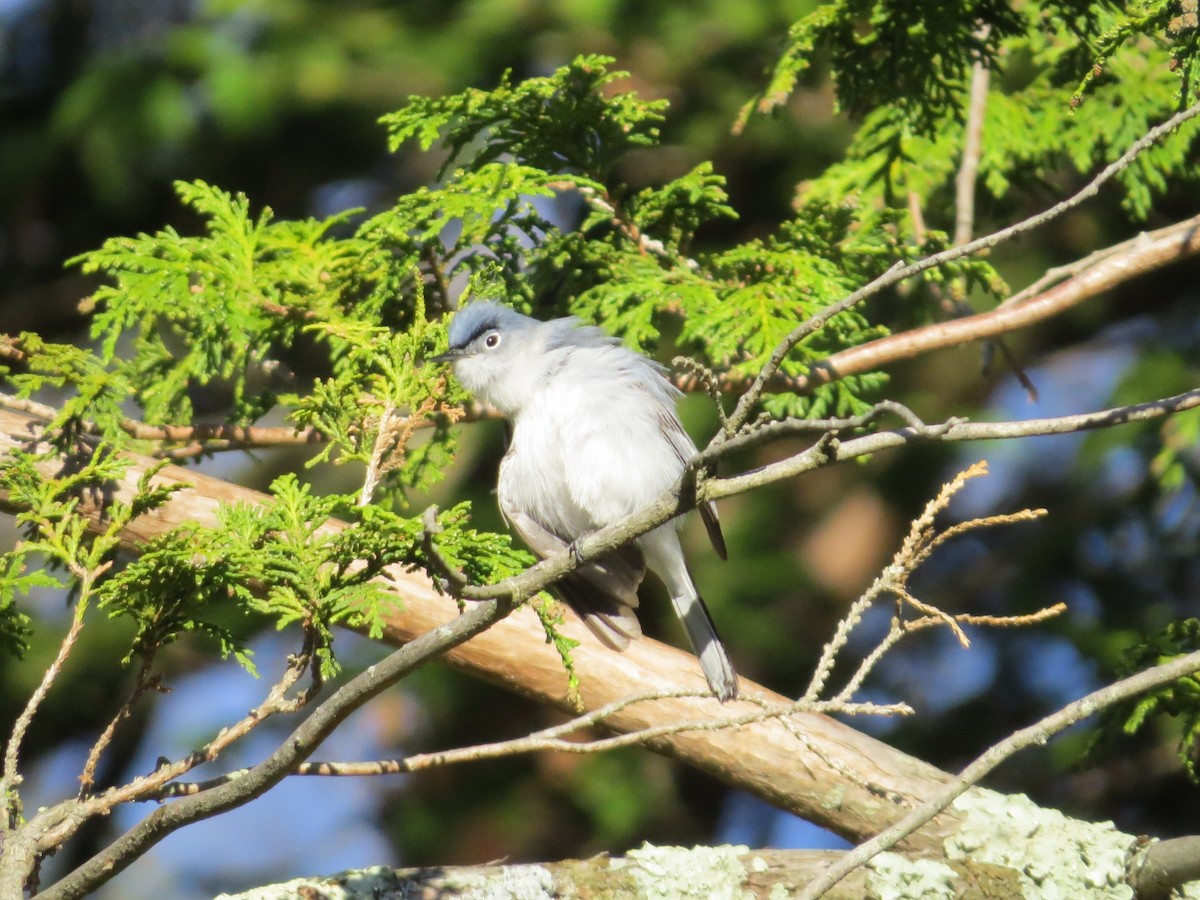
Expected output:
(602, 591)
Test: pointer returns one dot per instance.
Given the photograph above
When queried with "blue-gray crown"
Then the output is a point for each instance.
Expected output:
(472, 321)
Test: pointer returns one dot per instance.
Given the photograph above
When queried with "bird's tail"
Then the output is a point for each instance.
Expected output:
(714, 658)
(665, 557)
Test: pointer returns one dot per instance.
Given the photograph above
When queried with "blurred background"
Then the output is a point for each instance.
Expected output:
(104, 104)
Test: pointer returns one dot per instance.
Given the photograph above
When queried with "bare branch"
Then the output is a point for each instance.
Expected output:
(823, 454)
(10, 778)
(1103, 272)
(1076, 282)
(1036, 734)
(55, 825)
(146, 681)
(882, 772)
(1161, 866)
(605, 205)
(554, 739)
(964, 184)
(917, 545)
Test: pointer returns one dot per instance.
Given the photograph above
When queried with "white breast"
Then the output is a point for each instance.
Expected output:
(591, 444)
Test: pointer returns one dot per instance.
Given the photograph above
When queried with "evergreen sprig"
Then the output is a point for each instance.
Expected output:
(284, 561)
(914, 57)
(217, 307)
(59, 532)
(567, 121)
(1179, 700)
(1064, 104)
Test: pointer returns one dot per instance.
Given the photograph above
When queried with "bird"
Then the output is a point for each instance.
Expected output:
(595, 436)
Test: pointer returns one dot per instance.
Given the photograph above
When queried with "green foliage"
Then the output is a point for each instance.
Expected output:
(50, 512)
(566, 121)
(58, 531)
(201, 309)
(1037, 119)
(484, 558)
(16, 578)
(377, 374)
(550, 614)
(1169, 24)
(553, 194)
(225, 307)
(912, 56)
(489, 215)
(287, 562)
(94, 401)
(1180, 436)
(1179, 700)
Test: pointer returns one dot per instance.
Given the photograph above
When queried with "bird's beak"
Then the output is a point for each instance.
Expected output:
(448, 357)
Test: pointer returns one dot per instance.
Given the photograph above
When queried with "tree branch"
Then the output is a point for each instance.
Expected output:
(10, 778)
(762, 758)
(897, 273)
(553, 739)
(1036, 734)
(298, 746)
(825, 452)
(1134, 258)
(1059, 290)
(1161, 866)
(1056, 292)
(514, 653)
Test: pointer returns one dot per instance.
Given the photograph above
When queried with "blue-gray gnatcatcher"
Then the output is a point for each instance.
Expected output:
(595, 438)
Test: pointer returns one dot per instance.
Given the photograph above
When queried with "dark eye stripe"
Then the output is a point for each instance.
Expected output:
(486, 325)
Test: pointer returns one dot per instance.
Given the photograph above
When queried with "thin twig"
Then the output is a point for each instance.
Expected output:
(914, 550)
(303, 741)
(841, 635)
(145, 682)
(604, 204)
(856, 447)
(380, 451)
(1036, 734)
(445, 577)
(553, 739)
(63, 820)
(204, 436)
(11, 778)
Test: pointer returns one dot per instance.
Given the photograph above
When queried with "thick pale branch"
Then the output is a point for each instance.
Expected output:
(763, 758)
(1149, 252)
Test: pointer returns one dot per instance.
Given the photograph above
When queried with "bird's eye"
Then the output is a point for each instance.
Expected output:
(492, 340)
